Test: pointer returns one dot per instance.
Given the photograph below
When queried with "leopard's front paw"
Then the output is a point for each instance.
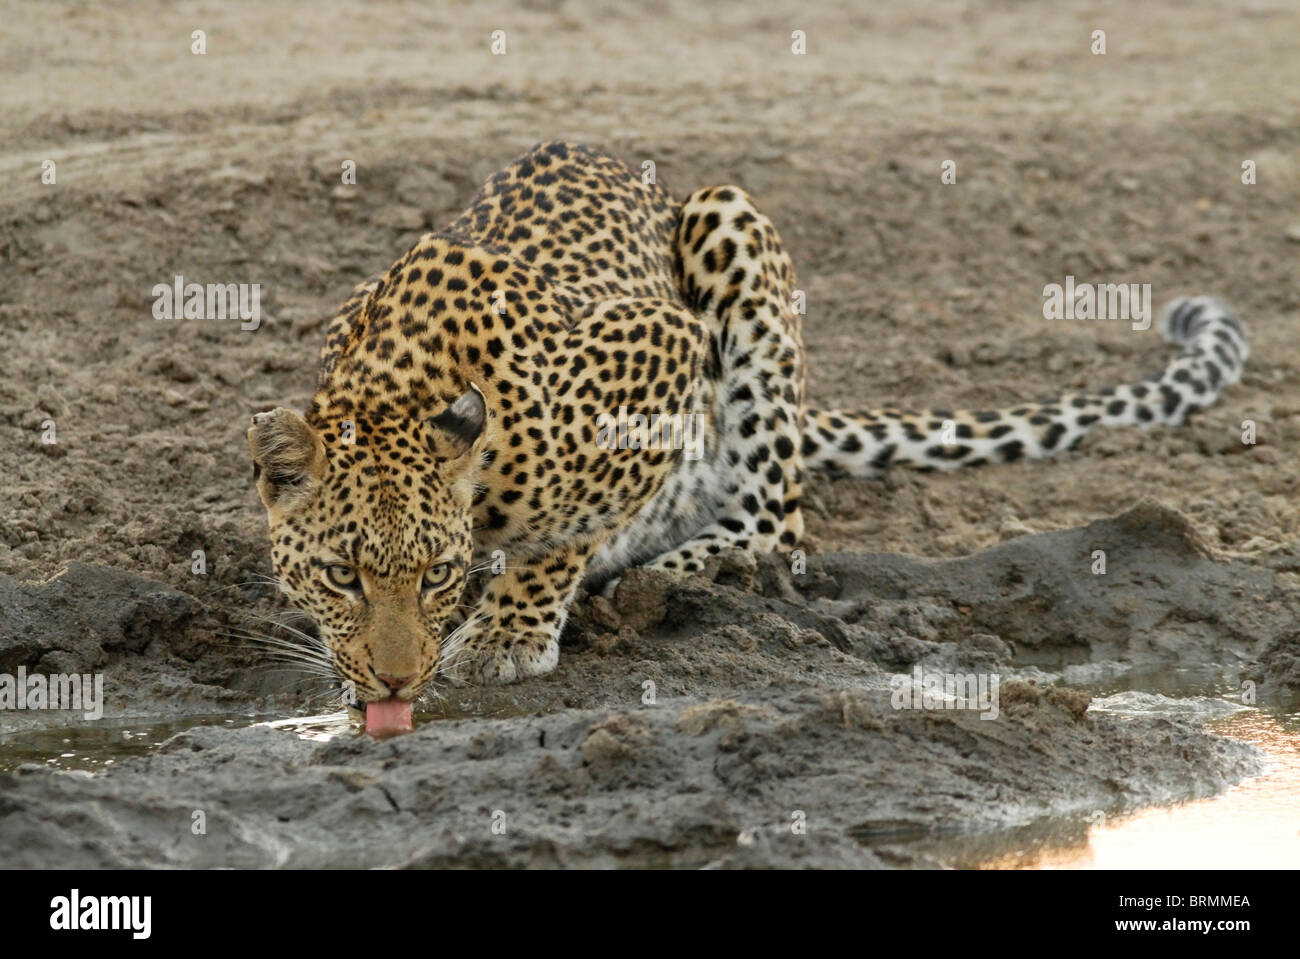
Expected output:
(496, 659)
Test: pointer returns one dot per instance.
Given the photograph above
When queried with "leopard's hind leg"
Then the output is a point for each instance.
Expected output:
(737, 277)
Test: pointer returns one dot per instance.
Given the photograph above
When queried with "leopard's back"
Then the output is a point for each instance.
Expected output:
(593, 227)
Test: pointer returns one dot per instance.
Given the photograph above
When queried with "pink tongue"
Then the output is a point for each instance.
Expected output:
(388, 717)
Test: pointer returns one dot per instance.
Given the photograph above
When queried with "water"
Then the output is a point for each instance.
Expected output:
(327, 726)
(1253, 825)
(93, 746)
(320, 729)
(97, 745)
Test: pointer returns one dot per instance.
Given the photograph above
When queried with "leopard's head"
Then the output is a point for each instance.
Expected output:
(370, 525)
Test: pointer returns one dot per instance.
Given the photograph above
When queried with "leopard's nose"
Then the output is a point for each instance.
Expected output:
(395, 682)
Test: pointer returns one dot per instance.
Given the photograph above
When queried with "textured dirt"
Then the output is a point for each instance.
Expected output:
(695, 723)
(225, 168)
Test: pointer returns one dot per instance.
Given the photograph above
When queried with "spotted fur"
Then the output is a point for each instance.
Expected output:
(1212, 355)
(447, 492)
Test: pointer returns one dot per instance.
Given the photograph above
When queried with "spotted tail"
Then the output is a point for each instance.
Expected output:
(864, 443)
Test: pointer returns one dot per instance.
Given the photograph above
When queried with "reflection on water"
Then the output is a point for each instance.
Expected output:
(320, 729)
(327, 726)
(1255, 825)
(98, 745)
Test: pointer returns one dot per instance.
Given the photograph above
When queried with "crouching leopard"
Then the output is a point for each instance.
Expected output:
(449, 489)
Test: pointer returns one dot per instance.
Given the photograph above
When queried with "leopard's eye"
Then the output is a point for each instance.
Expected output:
(436, 577)
(343, 578)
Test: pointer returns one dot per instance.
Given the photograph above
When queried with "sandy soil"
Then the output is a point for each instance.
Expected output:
(696, 723)
(225, 168)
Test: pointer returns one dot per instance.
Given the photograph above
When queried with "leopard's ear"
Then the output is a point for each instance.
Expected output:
(454, 431)
(288, 457)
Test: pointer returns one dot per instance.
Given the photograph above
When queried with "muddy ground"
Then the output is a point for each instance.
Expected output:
(771, 690)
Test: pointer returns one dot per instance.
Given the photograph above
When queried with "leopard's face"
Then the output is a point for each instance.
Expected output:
(372, 537)
(382, 580)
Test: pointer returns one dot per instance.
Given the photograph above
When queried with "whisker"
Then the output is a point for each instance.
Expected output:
(284, 651)
(315, 648)
(280, 624)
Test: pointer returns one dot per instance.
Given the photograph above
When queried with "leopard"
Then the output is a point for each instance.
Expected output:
(455, 481)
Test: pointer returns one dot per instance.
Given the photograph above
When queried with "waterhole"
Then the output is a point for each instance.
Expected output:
(1253, 824)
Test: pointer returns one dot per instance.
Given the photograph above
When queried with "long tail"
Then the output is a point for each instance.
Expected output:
(864, 443)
